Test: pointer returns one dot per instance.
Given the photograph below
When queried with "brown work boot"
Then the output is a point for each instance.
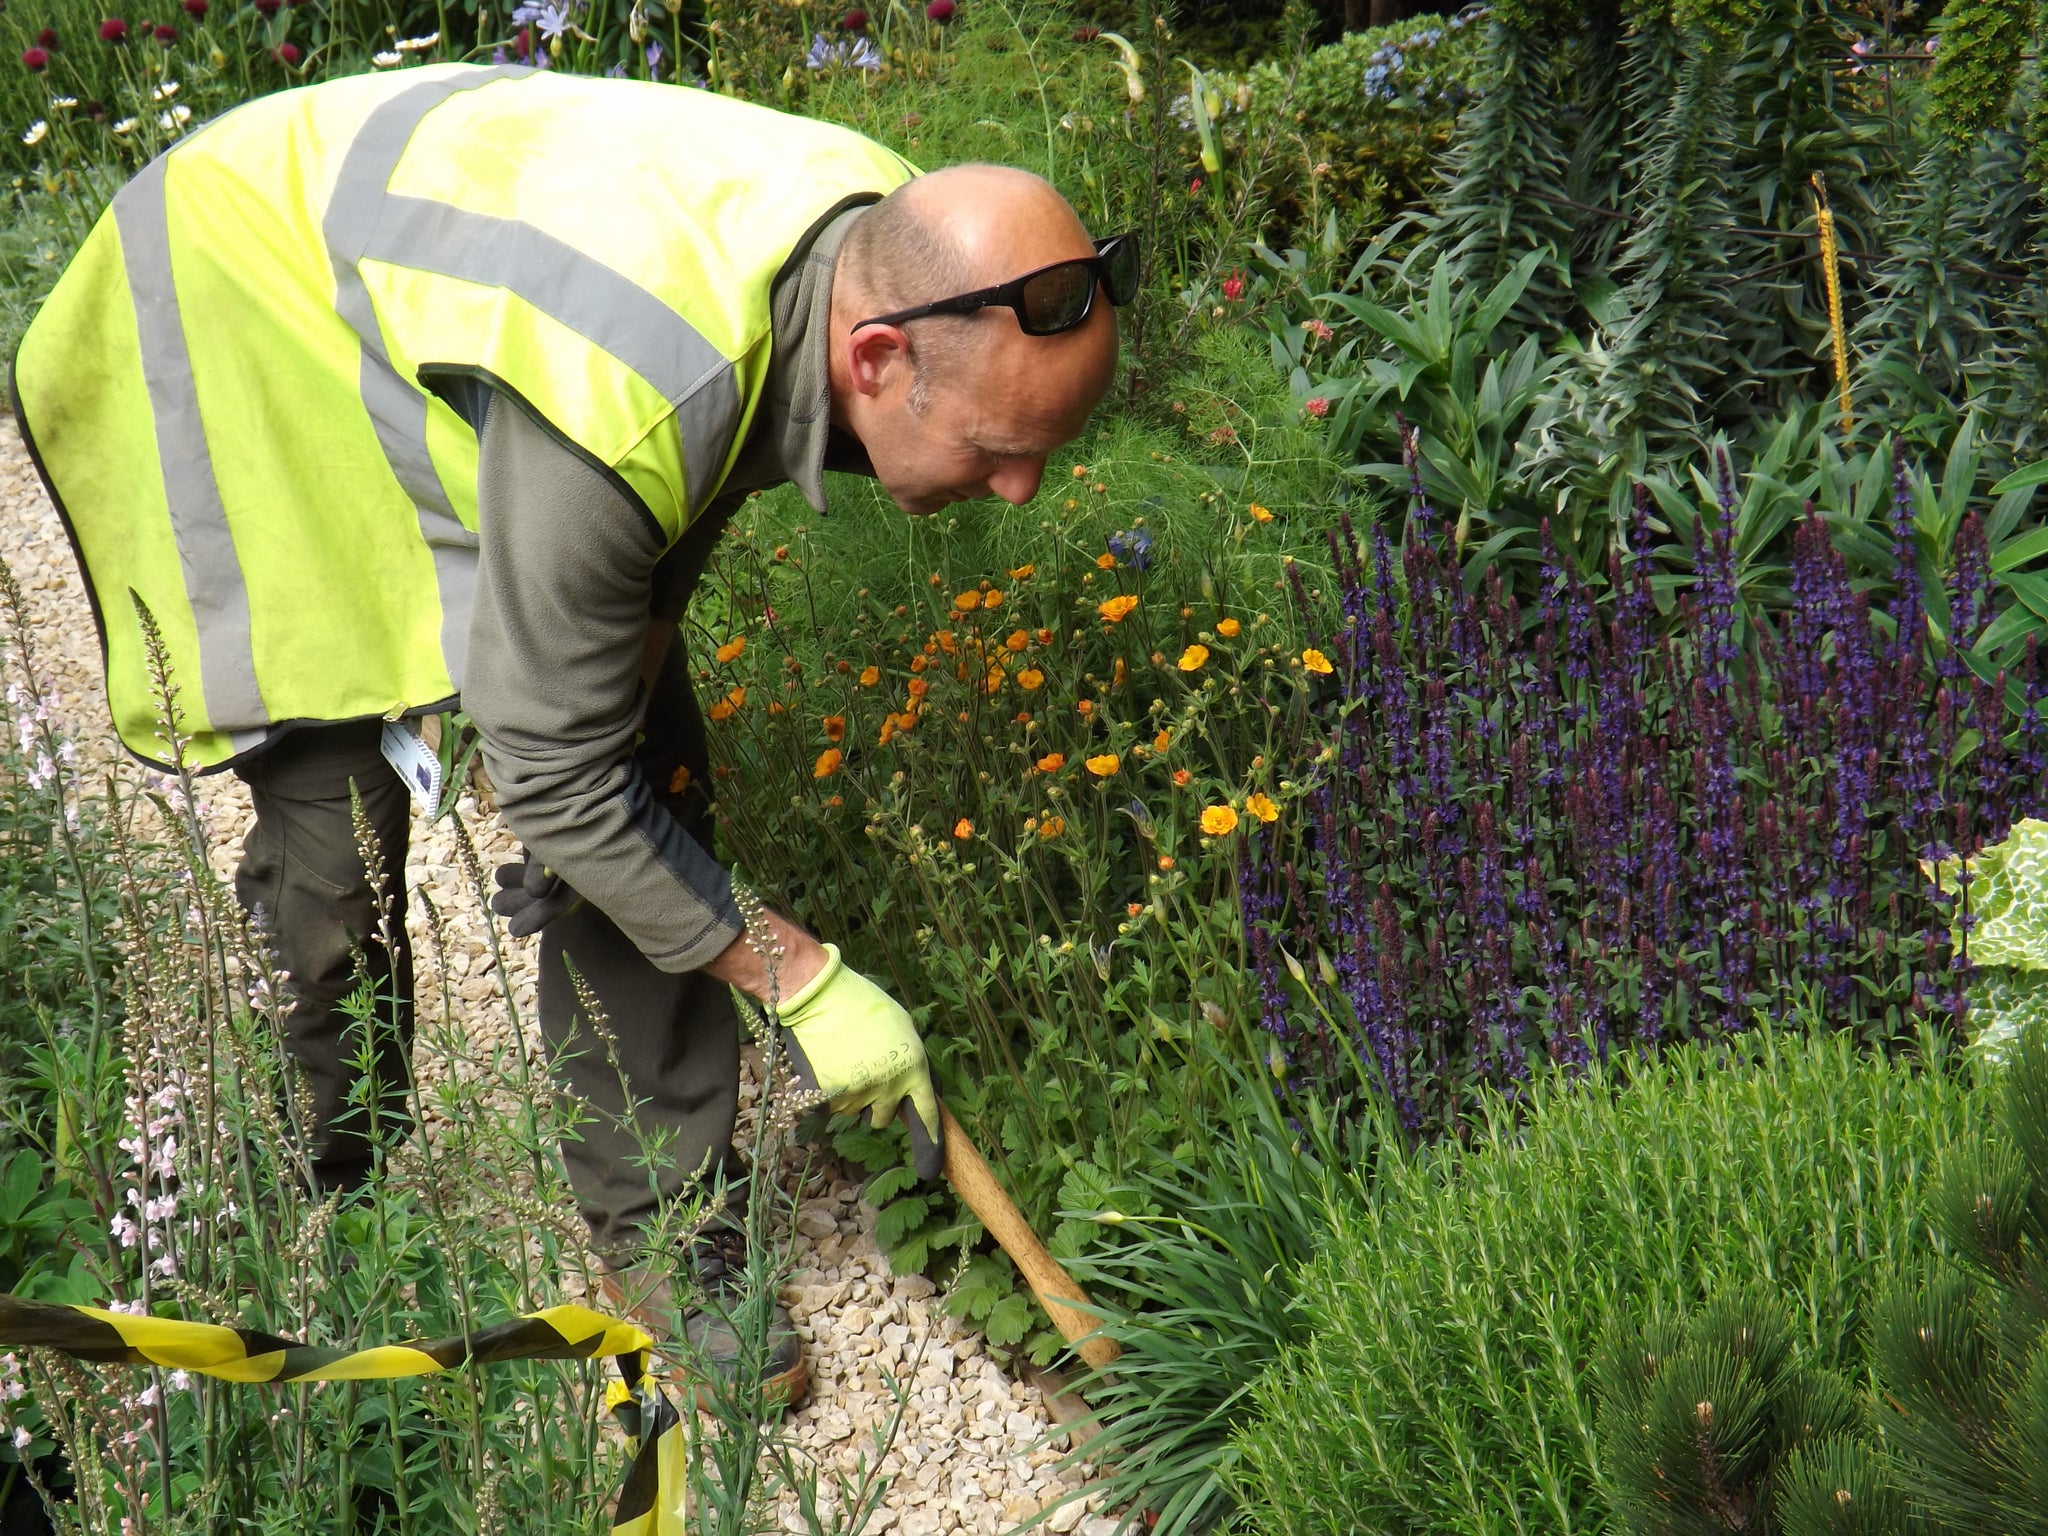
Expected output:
(645, 1293)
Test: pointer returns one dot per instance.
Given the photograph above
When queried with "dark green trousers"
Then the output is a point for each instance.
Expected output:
(667, 1079)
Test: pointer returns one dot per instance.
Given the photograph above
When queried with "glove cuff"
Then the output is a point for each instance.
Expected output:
(803, 996)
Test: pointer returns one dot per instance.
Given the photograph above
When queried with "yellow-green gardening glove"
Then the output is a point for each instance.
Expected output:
(853, 1044)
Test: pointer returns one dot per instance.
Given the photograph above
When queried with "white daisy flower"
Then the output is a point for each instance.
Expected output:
(126, 125)
(165, 91)
(418, 44)
(63, 103)
(35, 133)
(387, 60)
(177, 117)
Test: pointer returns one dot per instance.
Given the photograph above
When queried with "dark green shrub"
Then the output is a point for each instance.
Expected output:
(1699, 1419)
(1455, 1311)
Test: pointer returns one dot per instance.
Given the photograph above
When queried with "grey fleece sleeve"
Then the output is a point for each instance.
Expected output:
(554, 686)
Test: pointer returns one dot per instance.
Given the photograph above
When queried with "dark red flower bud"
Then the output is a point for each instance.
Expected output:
(47, 38)
(1086, 34)
(36, 60)
(113, 30)
(196, 9)
(854, 21)
(166, 33)
(287, 54)
(267, 7)
(940, 11)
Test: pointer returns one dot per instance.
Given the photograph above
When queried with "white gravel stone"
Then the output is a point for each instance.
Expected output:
(852, 1309)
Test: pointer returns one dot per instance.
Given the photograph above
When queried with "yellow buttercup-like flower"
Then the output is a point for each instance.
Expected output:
(1193, 658)
(730, 651)
(1219, 820)
(1104, 764)
(1228, 628)
(1262, 806)
(1261, 514)
(967, 602)
(1117, 609)
(1315, 661)
(1030, 679)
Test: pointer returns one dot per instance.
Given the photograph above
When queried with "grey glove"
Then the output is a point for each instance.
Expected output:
(530, 896)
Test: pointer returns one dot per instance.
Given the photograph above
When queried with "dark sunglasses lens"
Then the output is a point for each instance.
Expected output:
(1120, 270)
(1057, 298)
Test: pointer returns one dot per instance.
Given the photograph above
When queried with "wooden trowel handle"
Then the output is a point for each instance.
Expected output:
(1055, 1289)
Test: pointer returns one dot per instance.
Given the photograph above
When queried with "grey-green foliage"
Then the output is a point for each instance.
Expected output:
(1699, 1418)
(1456, 1311)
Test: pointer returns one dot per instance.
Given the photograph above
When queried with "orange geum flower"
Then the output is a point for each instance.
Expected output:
(680, 779)
(1117, 609)
(835, 728)
(827, 764)
(730, 651)
(963, 829)
(1229, 629)
(1103, 764)
(995, 678)
(1052, 826)
(729, 706)
(967, 602)
(1030, 679)
(1086, 706)
(992, 599)
(1023, 573)
(1262, 806)
(1219, 820)
(1181, 778)
(1080, 471)
(1045, 637)
(1260, 513)
(869, 676)
(1018, 640)
(1315, 661)
(887, 732)
(918, 687)
(1052, 762)
(1193, 658)
(1105, 561)
(1162, 741)
(919, 663)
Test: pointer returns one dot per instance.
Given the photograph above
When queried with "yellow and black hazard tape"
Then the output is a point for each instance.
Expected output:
(650, 1501)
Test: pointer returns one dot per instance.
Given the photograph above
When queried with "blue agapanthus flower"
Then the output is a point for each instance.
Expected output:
(844, 53)
(1133, 547)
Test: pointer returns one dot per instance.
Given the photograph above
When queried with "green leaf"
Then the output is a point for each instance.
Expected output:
(1008, 1321)
(2008, 898)
(899, 1219)
(2020, 550)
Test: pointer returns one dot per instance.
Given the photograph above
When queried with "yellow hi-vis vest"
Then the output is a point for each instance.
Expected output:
(236, 390)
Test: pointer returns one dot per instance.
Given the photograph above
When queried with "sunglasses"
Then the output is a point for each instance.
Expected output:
(1052, 299)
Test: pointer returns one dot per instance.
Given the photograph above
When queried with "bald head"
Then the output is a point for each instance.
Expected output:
(951, 231)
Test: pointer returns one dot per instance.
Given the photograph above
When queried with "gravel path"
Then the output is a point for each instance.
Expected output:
(971, 1456)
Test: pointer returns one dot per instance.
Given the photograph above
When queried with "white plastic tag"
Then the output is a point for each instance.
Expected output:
(414, 761)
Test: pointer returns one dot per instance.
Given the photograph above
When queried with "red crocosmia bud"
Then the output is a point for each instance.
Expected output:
(287, 54)
(36, 59)
(854, 21)
(166, 33)
(113, 30)
(196, 9)
(47, 38)
(940, 11)
(1233, 287)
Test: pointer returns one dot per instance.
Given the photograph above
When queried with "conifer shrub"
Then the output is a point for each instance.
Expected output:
(1458, 1308)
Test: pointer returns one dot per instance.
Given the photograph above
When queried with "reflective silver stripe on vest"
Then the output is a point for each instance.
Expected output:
(599, 304)
(199, 522)
(397, 409)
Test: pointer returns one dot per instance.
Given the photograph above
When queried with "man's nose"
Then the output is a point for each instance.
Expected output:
(1017, 481)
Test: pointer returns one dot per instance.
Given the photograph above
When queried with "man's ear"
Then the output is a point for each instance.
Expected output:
(876, 357)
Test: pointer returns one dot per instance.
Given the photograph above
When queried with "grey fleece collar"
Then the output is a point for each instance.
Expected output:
(792, 434)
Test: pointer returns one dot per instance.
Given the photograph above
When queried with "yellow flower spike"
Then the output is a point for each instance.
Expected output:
(1262, 806)
(1104, 764)
(730, 651)
(1315, 661)
(1117, 609)
(1193, 658)
(1229, 629)
(1219, 820)
(827, 764)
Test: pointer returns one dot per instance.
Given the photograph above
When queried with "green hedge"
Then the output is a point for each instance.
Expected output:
(1446, 1385)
